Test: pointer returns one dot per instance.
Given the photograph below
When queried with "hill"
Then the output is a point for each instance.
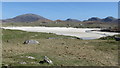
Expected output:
(26, 18)
(72, 20)
(108, 19)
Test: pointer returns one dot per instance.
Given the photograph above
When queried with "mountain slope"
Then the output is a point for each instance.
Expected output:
(26, 18)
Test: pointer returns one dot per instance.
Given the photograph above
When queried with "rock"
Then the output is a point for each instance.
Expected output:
(31, 42)
(6, 65)
(23, 63)
(7, 41)
(21, 56)
(41, 62)
(62, 43)
(30, 57)
(117, 38)
(47, 60)
(78, 38)
(52, 38)
(33, 62)
(18, 43)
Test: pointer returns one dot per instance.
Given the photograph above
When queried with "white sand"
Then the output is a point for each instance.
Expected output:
(83, 33)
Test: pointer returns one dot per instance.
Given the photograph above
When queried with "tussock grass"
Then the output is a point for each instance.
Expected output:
(63, 52)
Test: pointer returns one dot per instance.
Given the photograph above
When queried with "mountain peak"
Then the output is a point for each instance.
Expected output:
(109, 19)
(29, 14)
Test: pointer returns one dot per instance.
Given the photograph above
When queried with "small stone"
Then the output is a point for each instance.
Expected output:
(62, 65)
(6, 65)
(30, 57)
(79, 58)
(62, 43)
(7, 41)
(18, 43)
(59, 54)
(51, 38)
(33, 62)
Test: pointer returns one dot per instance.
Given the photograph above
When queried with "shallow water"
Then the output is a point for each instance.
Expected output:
(87, 38)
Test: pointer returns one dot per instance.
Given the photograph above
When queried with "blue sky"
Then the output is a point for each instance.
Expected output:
(61, 10)
(60, 0)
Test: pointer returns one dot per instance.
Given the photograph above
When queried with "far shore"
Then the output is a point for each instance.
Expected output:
(84, 33)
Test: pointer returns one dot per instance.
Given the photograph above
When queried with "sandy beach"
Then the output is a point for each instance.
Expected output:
(84, 33)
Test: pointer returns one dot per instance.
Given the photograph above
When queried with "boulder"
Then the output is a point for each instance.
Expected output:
(46, 60)
(117, 38)
(30, 42)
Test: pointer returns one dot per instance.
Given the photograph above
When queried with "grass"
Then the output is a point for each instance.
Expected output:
(63, 51)
(20, 36)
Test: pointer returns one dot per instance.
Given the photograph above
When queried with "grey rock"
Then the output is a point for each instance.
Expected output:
(30, 57)
(117, 38)
(22, 62)
(47, 60)
(31, 42)
(52, 38)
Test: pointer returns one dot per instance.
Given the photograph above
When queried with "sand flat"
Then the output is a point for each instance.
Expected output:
(84, 33)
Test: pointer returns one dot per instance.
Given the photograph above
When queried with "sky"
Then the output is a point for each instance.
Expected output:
(60, 0)
(61, 10)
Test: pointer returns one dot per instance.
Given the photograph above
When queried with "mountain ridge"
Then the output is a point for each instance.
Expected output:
(34, 17)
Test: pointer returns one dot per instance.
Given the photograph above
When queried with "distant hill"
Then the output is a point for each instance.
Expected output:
(37, 18)
(26, 18)
(72, 20)
(107, 19)
(94, 19)
(58, 20)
